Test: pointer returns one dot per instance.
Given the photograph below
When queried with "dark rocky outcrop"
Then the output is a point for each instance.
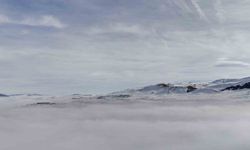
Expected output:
(163, 85)
(114, 96)
(3, 95)
(238, 87)
(45, 103)
(191, 88)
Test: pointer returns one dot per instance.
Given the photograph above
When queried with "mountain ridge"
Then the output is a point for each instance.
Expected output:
(215, 86)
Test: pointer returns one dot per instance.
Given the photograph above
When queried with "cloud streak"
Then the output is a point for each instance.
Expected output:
(41, 21)
(231, 63)
(199, 10)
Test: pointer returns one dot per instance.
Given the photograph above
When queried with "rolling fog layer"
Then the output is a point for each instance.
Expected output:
(174, 122)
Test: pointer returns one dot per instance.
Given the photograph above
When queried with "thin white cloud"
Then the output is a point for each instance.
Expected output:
(4, 19)
(117, 28)
(47, 21)
(44, 21)
(219, 11)
(224, 62)
(199, 10)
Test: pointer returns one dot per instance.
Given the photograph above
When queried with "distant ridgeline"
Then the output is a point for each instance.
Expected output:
(162, 88)
(210, 87)
(238, 87)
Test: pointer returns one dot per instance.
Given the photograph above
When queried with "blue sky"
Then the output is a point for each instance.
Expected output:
(99, 46)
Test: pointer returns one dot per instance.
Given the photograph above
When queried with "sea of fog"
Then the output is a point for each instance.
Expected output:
(171, 122)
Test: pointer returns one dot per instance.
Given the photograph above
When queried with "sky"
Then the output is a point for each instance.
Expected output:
(100, 46)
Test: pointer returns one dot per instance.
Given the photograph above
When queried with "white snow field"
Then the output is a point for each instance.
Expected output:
(218, 121)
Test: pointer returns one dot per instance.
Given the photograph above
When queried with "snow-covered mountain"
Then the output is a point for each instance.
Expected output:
(216, 86)
(210, 87)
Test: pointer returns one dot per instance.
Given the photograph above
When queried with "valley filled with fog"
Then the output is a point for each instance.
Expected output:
(174, 122)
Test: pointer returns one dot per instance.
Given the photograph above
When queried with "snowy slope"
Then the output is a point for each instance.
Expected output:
(225, 83)
(211, 87)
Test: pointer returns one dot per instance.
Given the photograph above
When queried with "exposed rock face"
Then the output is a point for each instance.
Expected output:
(114, 96)
(44, 103)
(191, 88)
(238, 87)
(163, 85)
